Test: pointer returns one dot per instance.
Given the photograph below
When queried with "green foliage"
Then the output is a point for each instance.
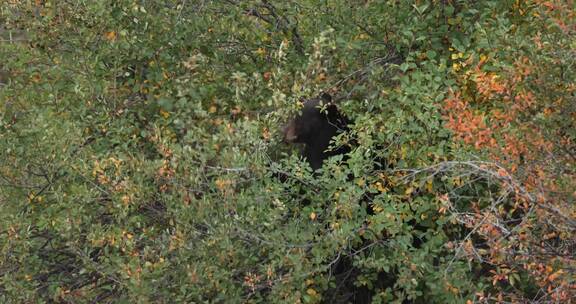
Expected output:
(141, 154)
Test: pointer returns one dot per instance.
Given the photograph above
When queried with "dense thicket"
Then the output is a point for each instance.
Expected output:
(141, 156)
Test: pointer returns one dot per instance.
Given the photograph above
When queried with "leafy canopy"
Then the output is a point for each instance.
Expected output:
(141, 154)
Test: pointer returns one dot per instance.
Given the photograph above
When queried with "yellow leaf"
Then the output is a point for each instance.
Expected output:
(457, 181)
(409, 190)
(380, 187)
(311, 292)
(377, 209)
(313, 216)
(222, 184)
(429, 186)
(164, 114)
(260, 51)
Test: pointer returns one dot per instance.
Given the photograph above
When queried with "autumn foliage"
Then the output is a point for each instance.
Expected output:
(505, 111)
(141, 154)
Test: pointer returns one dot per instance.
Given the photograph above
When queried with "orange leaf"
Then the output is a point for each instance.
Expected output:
(110, 36)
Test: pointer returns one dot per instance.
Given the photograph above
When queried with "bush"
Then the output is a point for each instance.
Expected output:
(142, 159)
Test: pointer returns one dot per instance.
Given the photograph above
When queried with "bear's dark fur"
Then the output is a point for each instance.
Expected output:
(316, 125)
(319, 121)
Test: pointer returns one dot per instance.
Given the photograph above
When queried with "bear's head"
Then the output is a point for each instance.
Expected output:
(319, 121)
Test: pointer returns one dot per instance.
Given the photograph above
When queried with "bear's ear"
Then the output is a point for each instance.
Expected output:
(332, 111)
(331, 108)
(326, 98)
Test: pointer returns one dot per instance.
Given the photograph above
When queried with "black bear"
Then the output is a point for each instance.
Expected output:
(316, 125)
(319, 121)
